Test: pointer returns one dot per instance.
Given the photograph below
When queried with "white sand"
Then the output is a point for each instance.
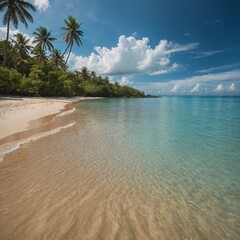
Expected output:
(17, 112)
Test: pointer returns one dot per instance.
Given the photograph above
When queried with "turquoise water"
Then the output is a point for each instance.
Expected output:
(185, 147)
(164, 168)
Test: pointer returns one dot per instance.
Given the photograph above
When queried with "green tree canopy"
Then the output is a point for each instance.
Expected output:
(15, 10)
(43, 39)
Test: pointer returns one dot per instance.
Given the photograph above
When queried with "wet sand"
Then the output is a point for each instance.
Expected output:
(16, 113)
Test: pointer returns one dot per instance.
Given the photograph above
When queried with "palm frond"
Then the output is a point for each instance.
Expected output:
(26, 14)
(27, 5)
(3, 6)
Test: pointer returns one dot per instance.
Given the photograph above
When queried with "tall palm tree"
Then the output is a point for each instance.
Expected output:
(73, 34)
(21, 44)
(15, 10)
(57, 59)
(43, 39)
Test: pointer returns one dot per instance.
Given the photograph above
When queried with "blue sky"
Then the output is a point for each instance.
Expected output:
(158, 46)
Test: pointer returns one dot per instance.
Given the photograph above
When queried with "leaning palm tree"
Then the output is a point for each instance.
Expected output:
(73, 34)
(43, 39)
(22, 45)
(14, 10)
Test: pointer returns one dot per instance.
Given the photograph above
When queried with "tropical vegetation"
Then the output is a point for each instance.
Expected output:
(34, 67)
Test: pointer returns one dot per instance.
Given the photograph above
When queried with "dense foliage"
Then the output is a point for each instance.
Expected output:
(37, 74)
(36, 68)
(48, 80)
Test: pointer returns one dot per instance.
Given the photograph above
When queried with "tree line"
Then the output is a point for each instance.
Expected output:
(37, 68)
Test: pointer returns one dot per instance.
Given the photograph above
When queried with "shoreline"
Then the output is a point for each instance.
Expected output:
(17, 113)
(26, 119)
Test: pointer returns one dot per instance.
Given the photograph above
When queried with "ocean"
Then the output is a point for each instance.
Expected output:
(160, 168)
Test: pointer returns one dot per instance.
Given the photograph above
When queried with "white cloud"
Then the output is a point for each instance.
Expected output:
(210, 53)
(195, 89)
(172, 68)
(131, 56)
(187, 34)
(3, 33)
(219, 88)
(134, 34)
(42, 5)
(221, 76)
(219, 68)
(188, 83)
(124, 81)
(232, 87)
(175, 88)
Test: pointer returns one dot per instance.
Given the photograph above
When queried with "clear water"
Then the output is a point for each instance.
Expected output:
(165, 168)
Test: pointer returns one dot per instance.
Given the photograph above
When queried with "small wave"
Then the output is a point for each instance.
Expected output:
(14, 146)
(63, 114)
(66, 112)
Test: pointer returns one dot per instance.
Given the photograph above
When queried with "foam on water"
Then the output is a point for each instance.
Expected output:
(10, 147)
(65, 113)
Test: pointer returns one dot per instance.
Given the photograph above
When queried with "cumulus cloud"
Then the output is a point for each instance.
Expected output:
(219, 88)
(232, 87)
(124, 81)
(3, 33)
(131, 56)
(175, 88)
(195, 89)
(42, 5)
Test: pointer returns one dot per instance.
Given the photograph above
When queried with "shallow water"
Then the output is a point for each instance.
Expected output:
(166, 168)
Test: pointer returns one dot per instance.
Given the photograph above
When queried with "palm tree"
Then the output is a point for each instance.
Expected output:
(84, 73)
(93, 74)
(57, 59)
(73, 34)
(39, 54)
(22, 48)
(21, 44)
(14, 10)
(43, 39)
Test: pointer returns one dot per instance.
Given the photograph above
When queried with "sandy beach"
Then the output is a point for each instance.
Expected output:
(17, 112)
(24, 119)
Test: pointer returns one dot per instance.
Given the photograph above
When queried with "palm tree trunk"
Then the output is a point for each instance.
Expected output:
(43, 49)
(5, 48)
(69, 53)
(65, 50)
